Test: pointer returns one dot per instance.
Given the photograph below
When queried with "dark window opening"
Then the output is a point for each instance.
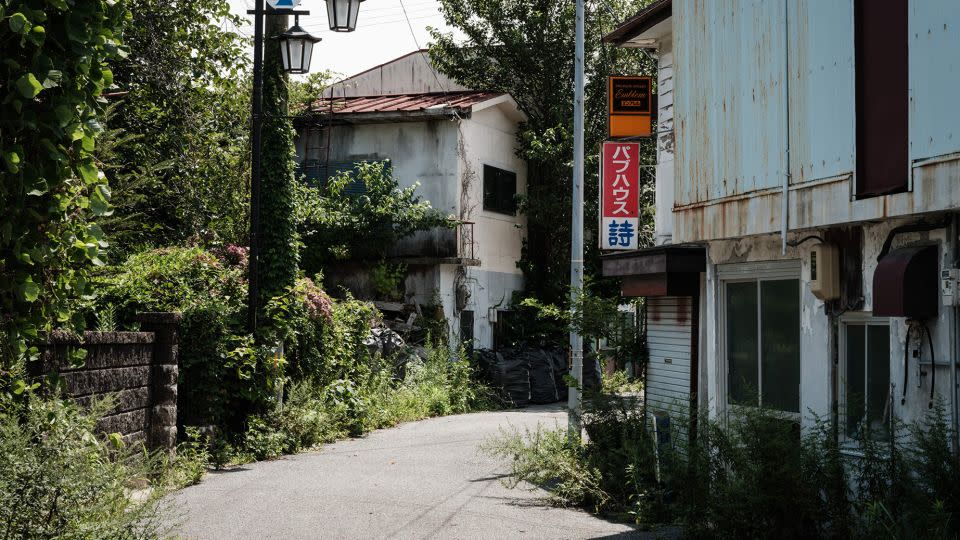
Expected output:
(466, 332)
(882, 96)
(499, 190)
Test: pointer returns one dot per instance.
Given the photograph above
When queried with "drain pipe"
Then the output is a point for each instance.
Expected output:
(953, 230)
(785, 197)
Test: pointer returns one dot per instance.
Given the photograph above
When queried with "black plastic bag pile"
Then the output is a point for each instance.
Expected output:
(525, 375)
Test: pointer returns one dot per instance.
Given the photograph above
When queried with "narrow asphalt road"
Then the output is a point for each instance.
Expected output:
(420, 480)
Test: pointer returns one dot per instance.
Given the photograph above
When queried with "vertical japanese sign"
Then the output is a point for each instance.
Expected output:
(619, 196)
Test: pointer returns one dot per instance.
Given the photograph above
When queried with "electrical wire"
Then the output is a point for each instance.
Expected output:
(417, 43)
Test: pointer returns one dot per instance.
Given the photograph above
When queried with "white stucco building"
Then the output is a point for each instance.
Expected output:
(459, 144)
(808, 186)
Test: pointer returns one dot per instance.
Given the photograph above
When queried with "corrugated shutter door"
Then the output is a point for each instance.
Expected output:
(668, 340)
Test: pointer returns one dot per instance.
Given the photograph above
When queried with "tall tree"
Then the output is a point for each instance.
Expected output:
(54, 69)
(180, 123)
(525, 48)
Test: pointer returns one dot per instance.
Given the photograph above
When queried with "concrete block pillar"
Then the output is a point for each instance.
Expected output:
(164, 371)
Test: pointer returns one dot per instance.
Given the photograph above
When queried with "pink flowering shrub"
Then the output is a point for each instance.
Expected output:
(234, 255)
(317, 302)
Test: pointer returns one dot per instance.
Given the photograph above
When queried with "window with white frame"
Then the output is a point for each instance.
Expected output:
(761, 335)
(865, 374)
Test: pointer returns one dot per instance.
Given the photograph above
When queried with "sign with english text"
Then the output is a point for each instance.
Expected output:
(619, 196)
(630, 106)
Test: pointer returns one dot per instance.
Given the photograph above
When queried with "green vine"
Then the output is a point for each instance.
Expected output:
(53, 72)
(279, 256)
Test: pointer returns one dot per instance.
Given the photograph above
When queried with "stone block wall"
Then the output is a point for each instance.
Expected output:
(138, 370)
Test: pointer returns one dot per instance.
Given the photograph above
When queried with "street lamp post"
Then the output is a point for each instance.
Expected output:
(296, 47)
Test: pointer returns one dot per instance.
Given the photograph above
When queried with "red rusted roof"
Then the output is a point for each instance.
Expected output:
(401, 102)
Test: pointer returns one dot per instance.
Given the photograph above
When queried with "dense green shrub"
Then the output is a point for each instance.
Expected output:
(752, 475)
(223, 375)
(60, 479)
(336, 222)
(316, 412)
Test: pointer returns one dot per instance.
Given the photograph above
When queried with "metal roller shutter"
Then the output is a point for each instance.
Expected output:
(669, 332)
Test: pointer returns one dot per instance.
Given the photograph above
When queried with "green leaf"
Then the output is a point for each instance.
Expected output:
(64, 115)
(28, 291)
(28, 86)
(89, 172)
(75, 132)
(116, 440)
(100, 201)
(12, 160)
(19, 23)
(53, 78)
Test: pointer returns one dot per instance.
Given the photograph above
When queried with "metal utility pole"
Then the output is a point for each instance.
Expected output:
(576, 244)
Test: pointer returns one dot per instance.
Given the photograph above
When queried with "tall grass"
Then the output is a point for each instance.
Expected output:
(752, 474)
(60, 479)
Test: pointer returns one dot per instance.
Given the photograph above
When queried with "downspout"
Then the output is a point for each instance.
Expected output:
(785, 197)
(953, 231)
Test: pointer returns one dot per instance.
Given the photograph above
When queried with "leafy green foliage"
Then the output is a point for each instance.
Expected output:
(526, 48)
(593, 316)
(337, 224)
(314, 413)
(752, 474)
(223, 373)
(60, 479)
(278, 244)
(388, 280)
(305, 91)
(55, 67)
(179, 130)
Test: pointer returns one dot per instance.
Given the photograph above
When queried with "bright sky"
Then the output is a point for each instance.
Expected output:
(382, 32)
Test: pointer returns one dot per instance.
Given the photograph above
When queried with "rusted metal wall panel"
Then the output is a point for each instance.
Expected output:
(822, 137)
(730, 99)
(934, 78)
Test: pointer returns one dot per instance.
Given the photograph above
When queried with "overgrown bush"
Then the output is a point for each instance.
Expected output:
(753, 474)
(316, 412)
(610, 471)
(61, 479)
(223, 376)
(359, 214)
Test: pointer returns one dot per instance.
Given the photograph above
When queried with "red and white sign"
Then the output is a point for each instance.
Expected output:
(620, 196)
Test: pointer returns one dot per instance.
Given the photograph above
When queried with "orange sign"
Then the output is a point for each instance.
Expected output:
(630, 106)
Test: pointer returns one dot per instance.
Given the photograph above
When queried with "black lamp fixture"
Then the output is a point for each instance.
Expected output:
(296, 49)
(342, 14)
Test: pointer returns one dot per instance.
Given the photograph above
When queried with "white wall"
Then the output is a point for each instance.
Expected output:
(424, 152)
(818, 386)
(663, 219)
(489, 138)
(409, 74)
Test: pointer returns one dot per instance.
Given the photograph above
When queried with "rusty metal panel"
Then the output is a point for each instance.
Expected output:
(822, 138)
(730, 115)
(934, 37)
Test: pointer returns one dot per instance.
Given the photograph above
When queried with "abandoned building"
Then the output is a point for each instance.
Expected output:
(459, 144)
(807, 190)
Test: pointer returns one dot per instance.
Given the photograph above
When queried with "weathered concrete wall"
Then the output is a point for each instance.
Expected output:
(137, 370)
(819, 381)
(410, 74)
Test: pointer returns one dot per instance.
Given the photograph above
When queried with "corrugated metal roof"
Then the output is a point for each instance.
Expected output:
(402, 102)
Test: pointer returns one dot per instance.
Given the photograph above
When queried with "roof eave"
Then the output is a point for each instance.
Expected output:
(388, 117)
(647, 18)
